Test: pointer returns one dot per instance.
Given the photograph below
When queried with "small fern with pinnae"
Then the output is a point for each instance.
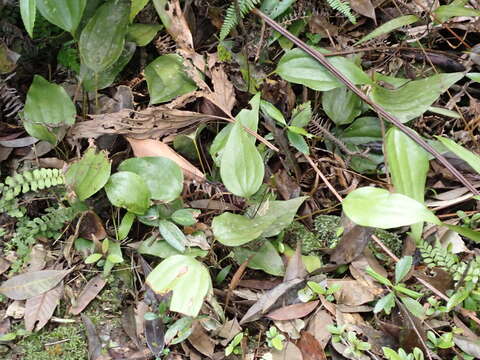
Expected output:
(231, 19)
(343, 8)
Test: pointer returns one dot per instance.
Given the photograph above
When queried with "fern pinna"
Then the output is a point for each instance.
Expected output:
(343, 8)
(231, 19)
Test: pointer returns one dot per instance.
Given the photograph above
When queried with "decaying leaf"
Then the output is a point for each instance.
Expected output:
(471, 347)
(201, 341)
(91, 227)
(290, 352)
(310, 347)
(352, 292)
(171, 14)
(39, 309)
(224, 93)
(155, 335)
(94, 342)
(294, 311)
(31, 284)
(318, 327)
(91, 290)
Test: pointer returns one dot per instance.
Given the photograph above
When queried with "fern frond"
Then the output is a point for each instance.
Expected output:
(231, 20)
(343, 8)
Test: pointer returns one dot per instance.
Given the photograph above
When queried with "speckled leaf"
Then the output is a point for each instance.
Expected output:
(102, 40)
(167, 79)
(48, 104)
(89, 174)
(66, 14)
(128, 190)
(187, 278)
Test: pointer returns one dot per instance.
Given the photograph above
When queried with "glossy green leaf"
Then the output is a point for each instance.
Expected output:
(66, 14)
(341, 105)
(270, 110)
(137, 6)
(241, 167)
(402, 267)
(48, 104)
(362, 131)
(167, 79)
(92, 81)
(41, 132)
(129, 191)
(457, 298)
(28, 10)
(143, 34)
(375, 207)
(300, 68)
(89, 174)
(114, 253)
(172, 235)
(185, 217)
(270, 220)
(125, 225)
(469, 157)
(474, 76)
(408, 164)
(266, 259)
(414, 307)
(445, 12)
(188, 279)
(103, 38)
(93, 258)
(415, 97)
(275, 8)
(389, 26)
(298, 142)
(163, 176)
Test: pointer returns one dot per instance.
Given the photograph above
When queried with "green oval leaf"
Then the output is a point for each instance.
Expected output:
(341, 105)
(164, 178)
(389, 26)
(48, 104)
(266, 259)
(402, 268)
(474, 76)
(89, 174)
(374, 207)
(414, 307)
(167, 79)
(137, 6)
(66, 14)
(241, 167)
(172, 235)
(102, 40)
(128, 190)
(142, 34)
(93, 258)
(185, 217)
(188, 279)
(469, 157)
(300, 68)
(415, 97)
(28, 10)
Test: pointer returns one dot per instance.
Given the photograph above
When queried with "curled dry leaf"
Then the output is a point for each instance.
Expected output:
(149, 147)
(91, 290)
(223, 94)
(352, 292)
(201, 341)
(171, 14)
(39, 309)
(294, 311)
(91, 227)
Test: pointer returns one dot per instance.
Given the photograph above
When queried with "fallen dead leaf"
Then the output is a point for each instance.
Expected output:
(149, 147)
(175, 22)
(201, 341)
(318, 327)
(471, 347)
(352, 292)
(295, 267)
(352, 243)
(4, 265)
(295, 311)
(229, 330)
(94, 342)
(223, 94)
(37, 259)
(289, 352)
(89, 292)
(291, 327)
(365, 8)
(91, 227)
(16, 309)
(310, 347)
(129, 325)
(39, 309)
(155, 335)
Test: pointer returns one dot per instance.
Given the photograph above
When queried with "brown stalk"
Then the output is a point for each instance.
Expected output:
(380, 110)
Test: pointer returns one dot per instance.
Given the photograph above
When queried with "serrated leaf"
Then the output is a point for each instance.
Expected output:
(48, 104)
(402, 268)
(102, 40)
(129, 191)
(241, 167)
(143, 34)
(298, 142)
(31, 284)
(341, 105)
(469, 157)
(187, 278)
(374, 207)
(415, 97)
(389, 26)
(298, 67)
(172, 235)
(66, 14)
(89, 174)
(164, 178)
(408, 164)
(167, 79)
(28, 10)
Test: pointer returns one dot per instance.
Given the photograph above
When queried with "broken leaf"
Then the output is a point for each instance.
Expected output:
(39, 309)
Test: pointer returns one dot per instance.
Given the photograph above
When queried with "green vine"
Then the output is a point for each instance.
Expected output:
(231, 19)
(343, 8)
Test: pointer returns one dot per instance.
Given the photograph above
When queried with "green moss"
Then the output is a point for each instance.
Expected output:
(34, 347)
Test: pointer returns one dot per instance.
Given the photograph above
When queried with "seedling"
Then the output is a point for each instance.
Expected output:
(234, 346)
(275, 339)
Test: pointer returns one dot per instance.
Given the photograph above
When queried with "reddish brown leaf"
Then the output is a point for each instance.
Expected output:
(39, 309)
(91, 227)
(294, 311)
(91, 290)
(259, 284)
(317, 326)
(310, 347)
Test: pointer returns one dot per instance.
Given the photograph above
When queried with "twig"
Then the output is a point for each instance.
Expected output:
(380, 110)
(325, 180)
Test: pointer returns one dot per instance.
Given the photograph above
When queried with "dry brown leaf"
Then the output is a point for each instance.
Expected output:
(89, 292)
(357, 269)
(94, 342)
(291, 327)
(4, 265)
(149, 147)
(352, 292)
(295, 311)
(39, 309)
(310, 347)
(201, 341)
(289, 352)
(223, 94)
(295, 267)
(364, 7)
(91, 227)
(16, 309)
(229, 330)
(176, 24)
(318, 327)
(37, 259)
